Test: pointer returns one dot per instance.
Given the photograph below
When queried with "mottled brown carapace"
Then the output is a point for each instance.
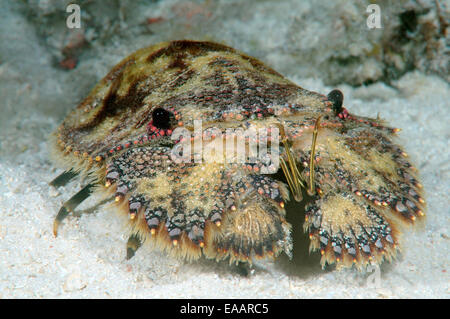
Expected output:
(119, 138)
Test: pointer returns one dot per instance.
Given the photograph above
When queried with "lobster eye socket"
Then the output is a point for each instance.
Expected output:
(336, 97)
(162, 118)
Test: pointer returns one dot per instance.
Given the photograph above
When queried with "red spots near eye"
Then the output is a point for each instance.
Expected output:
(344, 114)
(154, 131)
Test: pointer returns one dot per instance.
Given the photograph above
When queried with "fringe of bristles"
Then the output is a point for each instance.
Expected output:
(185, 249)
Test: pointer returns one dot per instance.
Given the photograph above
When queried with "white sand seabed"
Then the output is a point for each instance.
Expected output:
(87, 259)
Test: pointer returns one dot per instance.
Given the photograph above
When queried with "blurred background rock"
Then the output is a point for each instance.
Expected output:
(329, 39)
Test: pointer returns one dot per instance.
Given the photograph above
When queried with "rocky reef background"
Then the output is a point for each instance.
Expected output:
(316, 36)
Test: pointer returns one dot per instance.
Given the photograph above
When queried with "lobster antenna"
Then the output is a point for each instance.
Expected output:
(311, 190)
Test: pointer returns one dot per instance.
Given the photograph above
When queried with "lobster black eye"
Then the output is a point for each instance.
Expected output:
(162, 118)
(336, 97)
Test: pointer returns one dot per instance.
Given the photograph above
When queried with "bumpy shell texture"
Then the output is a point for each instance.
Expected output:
(121, 137)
